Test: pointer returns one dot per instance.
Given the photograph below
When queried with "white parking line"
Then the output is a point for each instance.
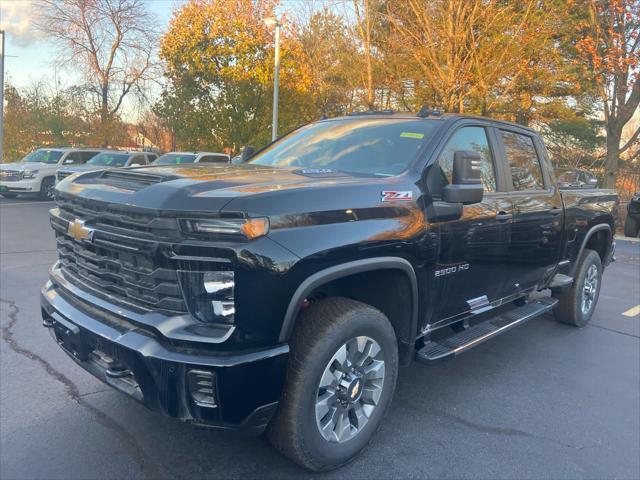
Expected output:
(632, 312)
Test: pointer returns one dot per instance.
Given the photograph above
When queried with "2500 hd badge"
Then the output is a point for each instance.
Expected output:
(262, 298)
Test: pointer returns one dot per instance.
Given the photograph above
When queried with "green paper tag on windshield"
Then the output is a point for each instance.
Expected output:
(412, 135)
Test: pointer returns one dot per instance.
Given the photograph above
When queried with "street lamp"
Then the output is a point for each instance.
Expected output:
(1, 95)
(271, 22)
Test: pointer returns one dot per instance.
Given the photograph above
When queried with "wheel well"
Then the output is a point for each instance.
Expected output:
(388, 290)
(599, 242)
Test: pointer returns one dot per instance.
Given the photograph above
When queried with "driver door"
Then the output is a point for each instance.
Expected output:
(472, 254)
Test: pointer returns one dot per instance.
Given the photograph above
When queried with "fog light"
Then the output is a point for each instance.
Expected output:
(223, 308)
(202, 388)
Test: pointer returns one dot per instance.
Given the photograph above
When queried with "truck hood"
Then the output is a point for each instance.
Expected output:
(247, 188)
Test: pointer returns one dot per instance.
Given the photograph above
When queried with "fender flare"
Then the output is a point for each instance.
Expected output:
(585, 240)
(345, 269)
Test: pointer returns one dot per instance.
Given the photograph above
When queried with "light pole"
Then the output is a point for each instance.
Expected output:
(1, 96)
(270, 22)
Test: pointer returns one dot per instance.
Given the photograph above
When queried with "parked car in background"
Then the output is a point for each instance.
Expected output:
(576, 178)
(36, 173)
(178, 158)
(632, 223)
(109, 159)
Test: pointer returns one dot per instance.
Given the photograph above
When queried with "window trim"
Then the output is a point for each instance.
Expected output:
(546, 187)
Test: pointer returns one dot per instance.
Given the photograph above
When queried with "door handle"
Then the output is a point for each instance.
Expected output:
(555, 211)
(503, 216)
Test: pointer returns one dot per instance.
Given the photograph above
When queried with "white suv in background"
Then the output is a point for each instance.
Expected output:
(179, 158)
(36, 173)
(108, 159)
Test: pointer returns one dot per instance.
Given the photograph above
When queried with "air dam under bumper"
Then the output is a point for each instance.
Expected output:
(227, 391)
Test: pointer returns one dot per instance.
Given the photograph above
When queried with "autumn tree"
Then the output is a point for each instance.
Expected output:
(220, 72)
(609, 46)
(110, 42)
(466, 52)
(331, 59)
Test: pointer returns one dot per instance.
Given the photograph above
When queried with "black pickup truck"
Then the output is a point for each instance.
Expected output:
(284, 293)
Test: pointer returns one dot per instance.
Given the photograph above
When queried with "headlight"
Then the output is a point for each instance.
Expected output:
(29, 174)
(209, 295)
(247, 227)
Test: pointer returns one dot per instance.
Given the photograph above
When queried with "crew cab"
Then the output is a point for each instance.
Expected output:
(36, 173)
(109, 159)
(284, 293)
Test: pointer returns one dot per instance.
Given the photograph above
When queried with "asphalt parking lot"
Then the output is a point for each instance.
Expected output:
(543, 401)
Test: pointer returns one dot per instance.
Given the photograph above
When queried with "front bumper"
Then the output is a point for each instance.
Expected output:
(21, 186)
(246, 386)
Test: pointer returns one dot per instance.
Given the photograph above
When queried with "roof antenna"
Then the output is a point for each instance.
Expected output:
(425, 112)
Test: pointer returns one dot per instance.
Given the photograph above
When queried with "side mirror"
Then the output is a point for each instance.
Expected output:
(593, 181)
(247, 153)
(466, 186)
(67, 161)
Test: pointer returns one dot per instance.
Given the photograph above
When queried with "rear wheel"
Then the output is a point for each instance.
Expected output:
(46, 188)
(631, 227)
(341, 378)
(577, 304)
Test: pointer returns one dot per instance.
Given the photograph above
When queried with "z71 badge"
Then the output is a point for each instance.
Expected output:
(397, 196)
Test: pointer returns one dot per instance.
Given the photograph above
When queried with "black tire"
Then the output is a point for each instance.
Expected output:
(320, 333)
(9, 195)
(631, 227)
(570, 306)
(46, 188)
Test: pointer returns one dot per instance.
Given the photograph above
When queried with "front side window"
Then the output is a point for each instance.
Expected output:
(368, 146)
(174, 159)
(109, 159)
(474, 139)
(44, 156)
(523, 161)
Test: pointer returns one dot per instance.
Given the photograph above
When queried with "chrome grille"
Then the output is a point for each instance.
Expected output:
(62, 174)
(10, 175)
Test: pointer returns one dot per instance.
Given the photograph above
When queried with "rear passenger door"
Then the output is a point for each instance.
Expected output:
(536, 235)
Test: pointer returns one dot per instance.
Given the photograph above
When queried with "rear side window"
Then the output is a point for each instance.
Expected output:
(474, 139)
(86, 156)
(74, 158)
(138, 160)
(523, 161)
(214, 159)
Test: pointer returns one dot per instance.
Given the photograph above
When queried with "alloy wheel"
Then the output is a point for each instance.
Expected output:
(590, 289)
(350, 389)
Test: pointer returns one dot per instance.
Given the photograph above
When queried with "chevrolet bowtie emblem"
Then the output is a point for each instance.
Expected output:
(80, 232)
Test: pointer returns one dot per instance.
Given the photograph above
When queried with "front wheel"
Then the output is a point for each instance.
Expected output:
(342, 374)
(577, 304)
(46, 188)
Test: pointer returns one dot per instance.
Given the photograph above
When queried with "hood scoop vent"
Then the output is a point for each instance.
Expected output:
(131, 180)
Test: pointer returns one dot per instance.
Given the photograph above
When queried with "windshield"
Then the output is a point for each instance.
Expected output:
(371, 146)
(174, 159)
(109, 159)
(44, 156)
